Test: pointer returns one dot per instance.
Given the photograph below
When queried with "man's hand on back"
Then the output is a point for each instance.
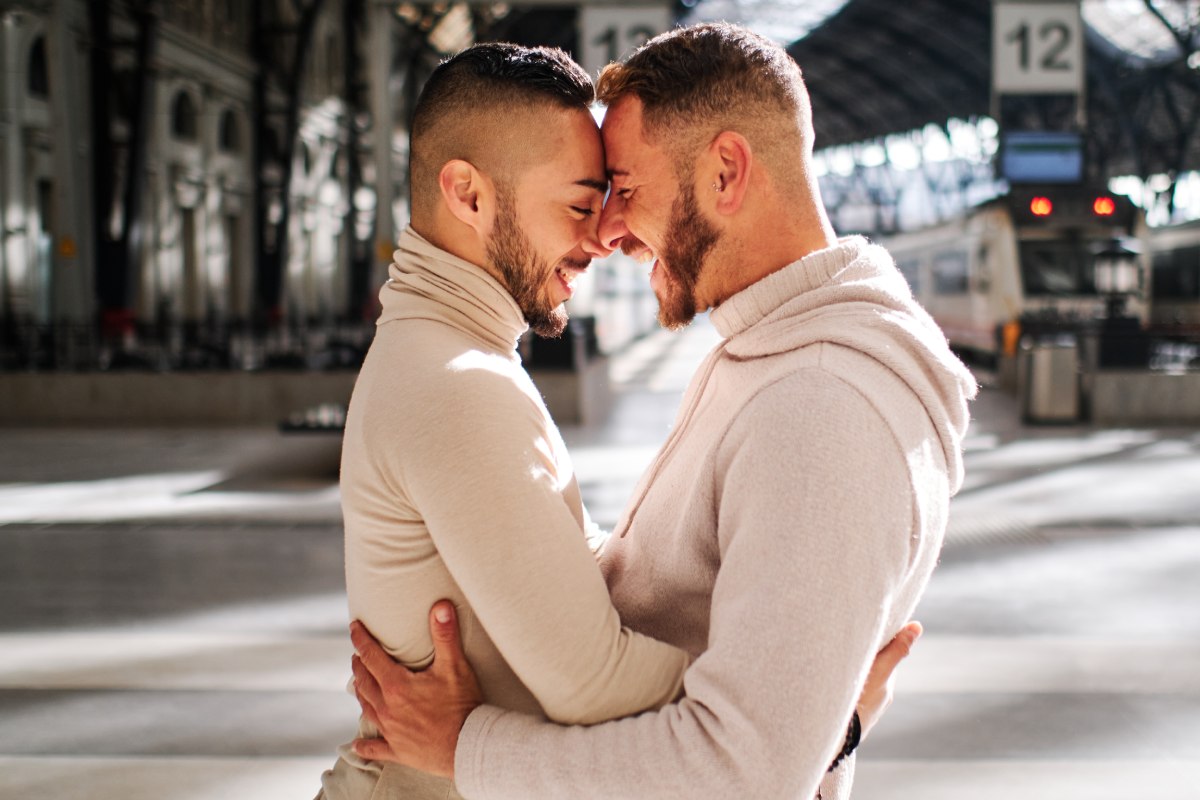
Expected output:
(419, 715)
(877, 692)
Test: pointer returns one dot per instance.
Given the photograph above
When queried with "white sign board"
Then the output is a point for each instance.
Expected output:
(1037, 48)
(609, 33)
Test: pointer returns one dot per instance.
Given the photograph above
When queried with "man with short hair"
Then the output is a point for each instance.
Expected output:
(455, 481)
(791, 520)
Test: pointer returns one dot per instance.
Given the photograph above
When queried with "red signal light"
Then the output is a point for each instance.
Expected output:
(1104, 206)
(1041, 206)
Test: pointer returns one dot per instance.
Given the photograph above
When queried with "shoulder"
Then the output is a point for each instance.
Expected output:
(809, 410)
(420, 377)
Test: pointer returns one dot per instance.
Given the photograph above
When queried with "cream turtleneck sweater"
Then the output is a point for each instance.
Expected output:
(456, 484)
(784, 533)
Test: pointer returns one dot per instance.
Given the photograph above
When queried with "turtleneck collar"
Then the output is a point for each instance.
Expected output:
(756, 301)
(426, 282)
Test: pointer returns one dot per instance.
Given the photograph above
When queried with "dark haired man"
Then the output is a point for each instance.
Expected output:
(791, 521)
(455, 481)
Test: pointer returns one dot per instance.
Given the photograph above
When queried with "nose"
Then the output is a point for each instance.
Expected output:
(612, 223)
(592, 244)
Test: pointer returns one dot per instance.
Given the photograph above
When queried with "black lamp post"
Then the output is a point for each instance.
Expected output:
(1117, 273)
(1123, 344)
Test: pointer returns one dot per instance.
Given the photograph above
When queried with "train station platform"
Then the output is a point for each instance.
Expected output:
(173, 619)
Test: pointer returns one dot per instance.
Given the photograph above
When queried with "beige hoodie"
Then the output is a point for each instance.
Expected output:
(784, 533)
(456, 484)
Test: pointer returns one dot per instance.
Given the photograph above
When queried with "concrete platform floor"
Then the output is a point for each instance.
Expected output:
(172, 616)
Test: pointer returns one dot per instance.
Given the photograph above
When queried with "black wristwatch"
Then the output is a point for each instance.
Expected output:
(853, 737)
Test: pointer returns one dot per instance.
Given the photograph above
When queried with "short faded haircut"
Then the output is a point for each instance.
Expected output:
(476, 93)
(697, 81)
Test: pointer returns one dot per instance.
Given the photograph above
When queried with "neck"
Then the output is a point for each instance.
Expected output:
(773, 234)
(447, 233)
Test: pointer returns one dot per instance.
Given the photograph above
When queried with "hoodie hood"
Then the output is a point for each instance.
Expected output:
(426, 282)
(853, 296)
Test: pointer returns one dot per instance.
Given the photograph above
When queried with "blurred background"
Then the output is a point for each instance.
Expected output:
(199, 201)
(216, 187)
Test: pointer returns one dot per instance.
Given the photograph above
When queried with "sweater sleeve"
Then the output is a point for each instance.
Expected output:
(484, 472)
(814, 520)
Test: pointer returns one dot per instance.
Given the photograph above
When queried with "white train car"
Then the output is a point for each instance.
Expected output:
(1174, 253)
(1023, 261)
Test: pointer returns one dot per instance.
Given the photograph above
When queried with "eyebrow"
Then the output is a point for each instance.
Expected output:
(592, 183)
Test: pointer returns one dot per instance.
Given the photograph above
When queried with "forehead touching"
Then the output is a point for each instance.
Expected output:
(626, 148)
(561, 151)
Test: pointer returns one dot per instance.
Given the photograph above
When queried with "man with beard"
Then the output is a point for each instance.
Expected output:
(455, 482)
(790, 522)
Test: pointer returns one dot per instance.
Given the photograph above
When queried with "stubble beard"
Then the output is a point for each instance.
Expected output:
(524, 273)
(690, 238)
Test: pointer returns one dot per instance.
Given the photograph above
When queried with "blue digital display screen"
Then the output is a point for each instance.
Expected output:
(1042, 157)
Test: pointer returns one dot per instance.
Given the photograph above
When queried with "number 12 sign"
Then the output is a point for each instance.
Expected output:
(1037, 48)
(609, 33)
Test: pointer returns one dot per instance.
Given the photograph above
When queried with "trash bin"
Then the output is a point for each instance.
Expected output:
(1049, 379)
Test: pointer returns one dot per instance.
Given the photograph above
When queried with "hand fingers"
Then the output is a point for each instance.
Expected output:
(374, 658)
(369, 712)
(913, 631)
(443, 627)
(365, 686)
(899, 647)
(372, 749)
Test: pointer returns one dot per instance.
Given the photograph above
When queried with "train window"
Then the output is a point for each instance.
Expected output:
(1056, 267)
(1177, 274)
(910, 268)
(950, 272)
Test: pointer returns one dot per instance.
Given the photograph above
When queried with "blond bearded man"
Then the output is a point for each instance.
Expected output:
(455, 483)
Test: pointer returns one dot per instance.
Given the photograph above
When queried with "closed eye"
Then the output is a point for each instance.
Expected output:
(587, 212)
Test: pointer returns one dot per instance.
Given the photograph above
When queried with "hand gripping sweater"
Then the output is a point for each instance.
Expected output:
(456, 484)
(783, 534)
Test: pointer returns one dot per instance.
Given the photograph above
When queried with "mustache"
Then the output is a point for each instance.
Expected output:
(631, 246)
(576, 263)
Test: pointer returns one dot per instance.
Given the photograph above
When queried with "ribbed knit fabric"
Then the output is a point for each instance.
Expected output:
(784, 533)
(456, 484)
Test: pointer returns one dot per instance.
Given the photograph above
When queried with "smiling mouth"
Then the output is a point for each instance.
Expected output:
(570, 269)
(637, 250)
(567, 276)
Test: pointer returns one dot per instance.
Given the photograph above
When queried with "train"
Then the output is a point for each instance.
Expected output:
(1022, 262)
(1174, 253)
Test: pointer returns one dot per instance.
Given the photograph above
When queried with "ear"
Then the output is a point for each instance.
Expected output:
(468, 194)
(731, 158)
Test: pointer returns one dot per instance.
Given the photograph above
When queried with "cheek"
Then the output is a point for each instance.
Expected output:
(644, 223)
(571, 237)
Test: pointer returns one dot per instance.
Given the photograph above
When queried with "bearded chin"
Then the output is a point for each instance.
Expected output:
(677, 304)
(523, 272)
(690, 239)
(549, 324)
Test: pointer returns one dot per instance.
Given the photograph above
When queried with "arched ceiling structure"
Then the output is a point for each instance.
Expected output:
(877, 67)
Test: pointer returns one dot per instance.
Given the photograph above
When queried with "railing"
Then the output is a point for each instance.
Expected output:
(83, 348)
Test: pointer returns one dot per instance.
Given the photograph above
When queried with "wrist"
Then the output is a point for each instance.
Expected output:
(851, 742)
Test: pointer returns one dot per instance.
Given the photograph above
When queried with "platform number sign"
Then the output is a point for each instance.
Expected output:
(1037, 48)
(609, 33)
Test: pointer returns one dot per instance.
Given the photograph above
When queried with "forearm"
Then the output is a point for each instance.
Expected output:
(682, 751)
(801, 604)
(496, 512)
(761, 726)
